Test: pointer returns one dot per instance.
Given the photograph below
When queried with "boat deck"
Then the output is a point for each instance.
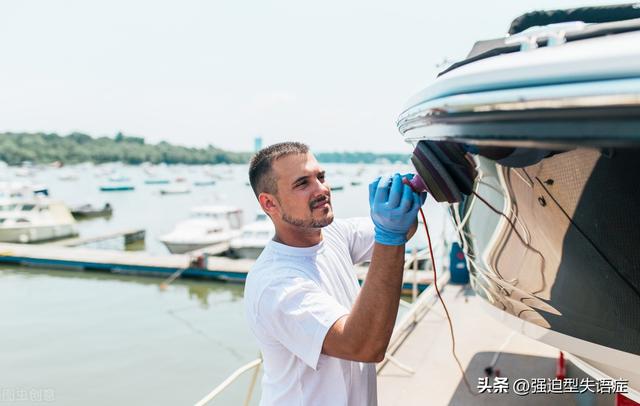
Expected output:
(437, 379)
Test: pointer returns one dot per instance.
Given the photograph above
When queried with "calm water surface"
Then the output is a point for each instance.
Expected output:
(103, 339)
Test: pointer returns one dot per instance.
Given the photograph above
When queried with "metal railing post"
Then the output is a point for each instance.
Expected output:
(414, 289)
(253, 364)
(252, 385)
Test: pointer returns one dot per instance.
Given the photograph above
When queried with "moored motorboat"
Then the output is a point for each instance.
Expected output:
(156, 181)
(207, 226)
(253, 238)
(34, 220)
(116, 188)
(534, 141)
(22, 190)
(210, 182)
(88, 211)
(175, 190)
(118, 178)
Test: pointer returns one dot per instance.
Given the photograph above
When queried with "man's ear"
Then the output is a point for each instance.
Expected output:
(268, 203)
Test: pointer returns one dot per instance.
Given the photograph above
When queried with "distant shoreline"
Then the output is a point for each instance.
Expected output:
(75, 148)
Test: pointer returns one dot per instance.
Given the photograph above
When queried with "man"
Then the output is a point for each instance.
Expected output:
(320, 334)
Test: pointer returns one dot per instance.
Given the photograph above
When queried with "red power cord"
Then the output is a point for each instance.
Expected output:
(435, 284)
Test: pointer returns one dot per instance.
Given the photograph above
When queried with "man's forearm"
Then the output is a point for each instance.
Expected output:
(412, 230)
(374, 313)
(364, 334)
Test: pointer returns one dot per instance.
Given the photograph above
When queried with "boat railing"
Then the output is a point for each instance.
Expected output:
(423, 303)
(417, 309)
(255, 365)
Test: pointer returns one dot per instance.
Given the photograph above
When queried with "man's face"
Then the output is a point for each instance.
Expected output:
(303, 197)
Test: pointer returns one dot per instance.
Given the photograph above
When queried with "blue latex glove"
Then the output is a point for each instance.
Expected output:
(394, 207)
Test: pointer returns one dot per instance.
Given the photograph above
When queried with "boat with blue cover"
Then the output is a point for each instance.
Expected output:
(116, 188)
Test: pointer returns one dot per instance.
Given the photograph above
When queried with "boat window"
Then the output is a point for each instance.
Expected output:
(263, 234)
(261, 217)
(247, 234)
(213, 230)
(28, 207)
(22, 220)
(2, 220)
(7, 207)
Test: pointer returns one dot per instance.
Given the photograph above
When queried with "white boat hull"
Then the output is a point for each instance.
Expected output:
(183, 248)
(247, 252)
(33, 234)
(549, 226)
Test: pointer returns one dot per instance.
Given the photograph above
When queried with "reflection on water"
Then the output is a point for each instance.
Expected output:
(98, 338)
(195, 289)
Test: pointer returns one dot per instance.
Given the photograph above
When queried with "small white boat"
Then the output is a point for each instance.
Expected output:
(204, 182)
(254, 237)
(207, 226)
(118, 178)
(154, 181)
(68, 177)
(24, 172)
(175, 190)
(25, 190)
(34, 220)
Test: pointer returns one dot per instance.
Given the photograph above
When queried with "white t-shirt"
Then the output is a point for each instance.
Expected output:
(292, 297)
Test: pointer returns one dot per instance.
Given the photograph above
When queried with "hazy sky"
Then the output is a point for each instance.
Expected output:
(334, 74)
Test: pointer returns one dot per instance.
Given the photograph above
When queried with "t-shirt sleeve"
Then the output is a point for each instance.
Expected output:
(361, 237)
(298, 314)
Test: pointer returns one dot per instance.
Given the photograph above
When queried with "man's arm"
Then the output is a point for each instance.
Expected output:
(364, 334)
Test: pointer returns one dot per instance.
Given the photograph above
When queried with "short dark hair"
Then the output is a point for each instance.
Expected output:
(260, 167)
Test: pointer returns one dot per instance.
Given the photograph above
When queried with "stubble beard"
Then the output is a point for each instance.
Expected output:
(311, 223)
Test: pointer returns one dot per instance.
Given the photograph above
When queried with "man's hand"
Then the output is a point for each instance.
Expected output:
(364, 334)
(394, 207)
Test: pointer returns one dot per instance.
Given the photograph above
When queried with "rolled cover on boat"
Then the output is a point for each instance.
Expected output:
(594, 14)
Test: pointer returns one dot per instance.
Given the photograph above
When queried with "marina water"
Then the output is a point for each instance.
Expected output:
(104, 339)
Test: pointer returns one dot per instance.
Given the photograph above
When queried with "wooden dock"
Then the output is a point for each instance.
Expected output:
(124, 262)
(130, 236)
(200, 264)
(211, 250)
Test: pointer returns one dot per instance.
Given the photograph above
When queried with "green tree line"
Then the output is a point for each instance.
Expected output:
(44, 148)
